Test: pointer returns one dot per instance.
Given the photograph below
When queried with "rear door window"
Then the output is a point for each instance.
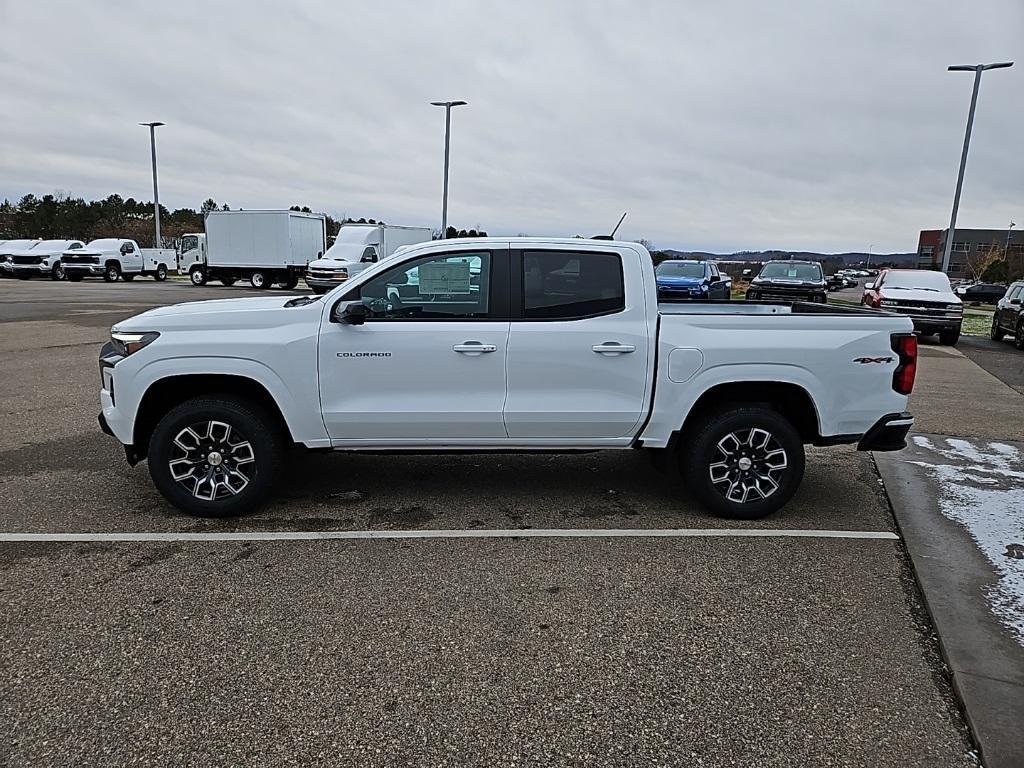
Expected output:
(571, 285)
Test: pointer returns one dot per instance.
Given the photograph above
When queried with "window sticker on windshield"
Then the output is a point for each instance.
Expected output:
(791, 272)
(444, 278)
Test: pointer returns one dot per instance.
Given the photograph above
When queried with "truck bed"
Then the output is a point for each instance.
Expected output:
(759, 308)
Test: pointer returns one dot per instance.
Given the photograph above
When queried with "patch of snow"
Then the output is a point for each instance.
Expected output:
(981, 487)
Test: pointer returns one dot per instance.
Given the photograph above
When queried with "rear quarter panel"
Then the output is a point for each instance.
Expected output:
(845, 364)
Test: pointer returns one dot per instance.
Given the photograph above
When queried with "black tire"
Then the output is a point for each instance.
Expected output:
(161, 273)
(229, 281)
(702, 456)
(73, 278)
(949, 338)
(289, 282)
(57, 272)
(997, 333)
(197, 275)
(1018, 336)
(259, 280)
(127, 277)
(111, 272)
(318, 291)
(253, 437)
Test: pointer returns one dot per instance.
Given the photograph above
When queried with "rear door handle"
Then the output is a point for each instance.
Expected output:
(613, 348)
(474, 348)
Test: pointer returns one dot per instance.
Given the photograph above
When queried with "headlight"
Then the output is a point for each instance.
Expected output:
(955, 307)
(703, 288)
(128, 343)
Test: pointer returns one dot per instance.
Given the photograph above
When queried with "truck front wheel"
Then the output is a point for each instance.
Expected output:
(259, 280)
(112, 272)
(197, 275)
(744, 462)
(215, 456)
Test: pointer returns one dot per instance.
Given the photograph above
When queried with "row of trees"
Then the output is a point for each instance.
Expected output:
(60, 216)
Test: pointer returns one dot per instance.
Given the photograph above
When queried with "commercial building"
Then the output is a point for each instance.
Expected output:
(970, 248)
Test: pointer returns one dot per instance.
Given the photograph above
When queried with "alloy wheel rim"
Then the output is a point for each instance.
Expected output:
(748, 466)
(212, 460)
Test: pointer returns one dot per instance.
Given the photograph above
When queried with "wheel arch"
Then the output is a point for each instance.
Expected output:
(792, 401)
(165, 393)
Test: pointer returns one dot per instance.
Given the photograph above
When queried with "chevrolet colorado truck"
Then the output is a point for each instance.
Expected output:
(528, 345)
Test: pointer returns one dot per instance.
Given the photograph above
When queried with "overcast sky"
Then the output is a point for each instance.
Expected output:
(718, 124)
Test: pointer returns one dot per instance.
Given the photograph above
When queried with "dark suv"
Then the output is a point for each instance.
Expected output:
(789, 281)
(1009, 315)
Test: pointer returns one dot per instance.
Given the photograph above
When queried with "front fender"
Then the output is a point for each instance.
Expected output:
(299, 402)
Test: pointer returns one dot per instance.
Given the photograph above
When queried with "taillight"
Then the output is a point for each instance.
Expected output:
(904, 345)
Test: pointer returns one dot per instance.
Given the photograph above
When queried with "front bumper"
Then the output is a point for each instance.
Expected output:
(30, 269)
(888, 434)
(324, 282)
(83, 269)
(681, 294)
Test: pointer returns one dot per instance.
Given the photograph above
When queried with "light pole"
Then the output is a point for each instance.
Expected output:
(868, 266)
(447, 137)
(156, 195)
(977, 69)
(1009, 231)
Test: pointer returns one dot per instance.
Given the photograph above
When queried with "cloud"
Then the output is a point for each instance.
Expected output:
(718, 125)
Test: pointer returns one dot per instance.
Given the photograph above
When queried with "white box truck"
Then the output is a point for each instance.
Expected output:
(356, 248)
(263, 247)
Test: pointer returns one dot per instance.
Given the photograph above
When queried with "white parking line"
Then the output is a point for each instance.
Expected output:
(527, 533)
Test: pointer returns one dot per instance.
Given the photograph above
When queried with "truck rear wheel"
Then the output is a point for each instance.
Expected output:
(289, 282)
(57, 272)
(216, 456)
(161, 273)
(112, 272)
(744, 462)
(197, 275)
(997, 332)
(228, 280)
(259, 280)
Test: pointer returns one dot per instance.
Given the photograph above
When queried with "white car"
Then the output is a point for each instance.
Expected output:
(8, 249)
(496, 346)
(42, 259)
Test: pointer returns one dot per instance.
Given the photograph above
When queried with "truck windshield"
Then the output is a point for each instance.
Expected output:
(105, 243)
(789, 271)
(675, 269)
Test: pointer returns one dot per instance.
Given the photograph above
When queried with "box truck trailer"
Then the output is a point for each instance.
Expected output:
(357, 247)
(263, 247)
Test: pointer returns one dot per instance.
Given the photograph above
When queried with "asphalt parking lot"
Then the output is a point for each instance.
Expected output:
(709, 650)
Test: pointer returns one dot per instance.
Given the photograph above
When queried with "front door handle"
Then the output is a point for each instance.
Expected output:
(474, 348)
(613, 348)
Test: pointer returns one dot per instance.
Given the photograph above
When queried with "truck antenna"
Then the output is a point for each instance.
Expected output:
(619, 224)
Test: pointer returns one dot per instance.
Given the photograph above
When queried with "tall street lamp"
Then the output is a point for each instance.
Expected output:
(447, 135)
(156, 195)
(977, 69)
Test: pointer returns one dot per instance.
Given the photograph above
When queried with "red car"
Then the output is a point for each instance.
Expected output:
(923, 295)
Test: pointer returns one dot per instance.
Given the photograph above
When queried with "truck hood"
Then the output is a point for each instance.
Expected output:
(681, 282)
(918, 294)
(330, 263)
(92, 252)
(216, 313)
(787, 282)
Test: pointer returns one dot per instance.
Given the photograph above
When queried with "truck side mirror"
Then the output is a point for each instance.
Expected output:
(869, 286)
(352, 313)
(1015, 301)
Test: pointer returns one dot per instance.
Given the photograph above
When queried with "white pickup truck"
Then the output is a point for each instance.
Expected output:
(113, 258)
(495, 345)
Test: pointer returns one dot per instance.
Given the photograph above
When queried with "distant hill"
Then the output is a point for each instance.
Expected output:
(900, 259)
